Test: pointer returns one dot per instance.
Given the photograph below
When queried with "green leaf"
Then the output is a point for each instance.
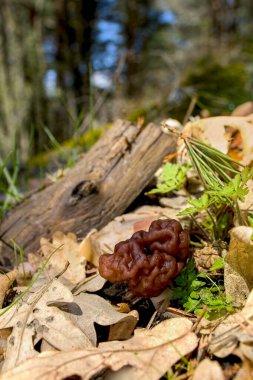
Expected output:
(191, 305)
(229, 299)
(173, 177)
(193, 290)
(233, 190)
(218, 264)
(194, 295)
(250, 219)
(215, 302)
(188, 211)
(197, 284)
(198, 205)
(199, 311)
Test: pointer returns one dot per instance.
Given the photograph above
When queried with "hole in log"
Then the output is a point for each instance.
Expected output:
(82, 190)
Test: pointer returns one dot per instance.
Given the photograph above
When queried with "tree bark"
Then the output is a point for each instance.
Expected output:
(97, 189)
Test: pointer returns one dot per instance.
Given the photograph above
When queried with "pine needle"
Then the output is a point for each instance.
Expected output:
(214, 167)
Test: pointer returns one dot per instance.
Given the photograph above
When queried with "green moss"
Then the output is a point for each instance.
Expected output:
(87, 140)
(149, 113)
(69, 149)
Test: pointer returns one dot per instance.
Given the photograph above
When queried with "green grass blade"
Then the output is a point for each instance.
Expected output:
(31, 284)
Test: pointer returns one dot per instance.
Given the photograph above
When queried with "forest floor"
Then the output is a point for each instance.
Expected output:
(179, 303)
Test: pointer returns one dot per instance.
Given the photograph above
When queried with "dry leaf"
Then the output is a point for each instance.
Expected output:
(176, 204)
(64, 321)
(91, 284)
(87, 309)
(221, 133)
(148, 355)
(25, 273)
(4, 335)
(247, 350)
(244, 109)
(67, 249)
(162, 301)
(45, 346)
(245, 372)
(35, 261)
(32, 319)
(238, 274)
(247, 204)
(85, 246)
(208, 370)
(234, 329)
(5, 281)
(123, 307)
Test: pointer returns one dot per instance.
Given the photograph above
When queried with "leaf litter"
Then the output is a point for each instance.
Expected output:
(50, 311)
(71, 323)
(148, 354)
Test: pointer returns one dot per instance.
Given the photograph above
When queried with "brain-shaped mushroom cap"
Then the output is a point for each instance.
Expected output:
(149, 259)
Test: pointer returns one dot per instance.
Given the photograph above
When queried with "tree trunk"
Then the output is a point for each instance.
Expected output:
(100, 187)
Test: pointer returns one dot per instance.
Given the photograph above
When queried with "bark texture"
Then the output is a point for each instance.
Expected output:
(98, 188)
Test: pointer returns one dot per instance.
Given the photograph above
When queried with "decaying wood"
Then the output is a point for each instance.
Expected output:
(98, 188)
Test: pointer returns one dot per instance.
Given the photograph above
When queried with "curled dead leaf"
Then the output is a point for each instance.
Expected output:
(208, 370)
(91, 284)
(50, 312)
(245, 372)
(238, 275)
(229, 134)
(4, 335)
(88, 309)
(244, 109)
(123, 307)
(148, 354)
(66, 249)
(31, 319)
(5, 281)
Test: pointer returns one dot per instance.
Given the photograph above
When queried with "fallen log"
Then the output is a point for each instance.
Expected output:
(99, 187)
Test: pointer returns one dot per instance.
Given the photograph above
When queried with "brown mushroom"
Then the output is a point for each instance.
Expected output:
(148, 260)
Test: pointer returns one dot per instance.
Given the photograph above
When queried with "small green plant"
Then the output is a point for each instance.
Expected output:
(195, 290)
(219, 199)
(34, 280)
(218, 264)
(68, 157)
(173, 177)
(184, 366)
(19, 257)
(8, 180)
(250, 220)
(197, 205)
(212, 214)
(233, 192)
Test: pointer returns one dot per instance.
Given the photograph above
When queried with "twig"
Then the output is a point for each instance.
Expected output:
(151, 320)
(200, 317)
(190, 109)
